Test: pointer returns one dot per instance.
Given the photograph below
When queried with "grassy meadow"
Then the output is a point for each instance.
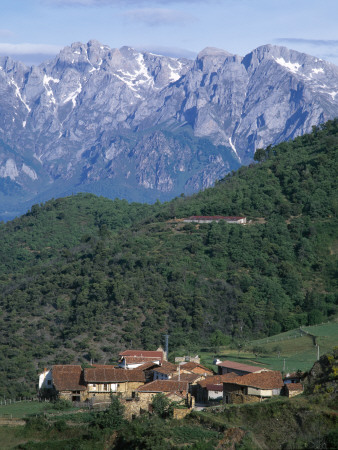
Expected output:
(287, 352)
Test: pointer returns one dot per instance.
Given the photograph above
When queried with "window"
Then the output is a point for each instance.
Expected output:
(49, 382)
(105, 387)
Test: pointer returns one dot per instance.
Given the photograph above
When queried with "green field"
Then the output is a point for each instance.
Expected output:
(287, 351)
(23, 409)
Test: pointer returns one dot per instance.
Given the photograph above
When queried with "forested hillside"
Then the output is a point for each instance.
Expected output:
(83, 277)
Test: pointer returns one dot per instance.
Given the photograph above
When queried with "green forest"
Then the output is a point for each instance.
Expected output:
(83, 277)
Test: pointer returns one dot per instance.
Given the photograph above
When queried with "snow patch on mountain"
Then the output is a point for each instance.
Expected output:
(9, 169)
(18, 94)
(30, 172)
(72, 96)
(292, 67)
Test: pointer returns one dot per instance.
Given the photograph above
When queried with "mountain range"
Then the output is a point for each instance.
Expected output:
(130, 124)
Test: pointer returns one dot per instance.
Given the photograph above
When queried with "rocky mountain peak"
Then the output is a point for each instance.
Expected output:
(123, 117)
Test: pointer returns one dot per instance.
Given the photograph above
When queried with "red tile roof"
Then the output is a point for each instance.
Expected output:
(68, 378)
(112, 375)
(166, 368)
(164, 386)
(294, 386)
(215, 387)
(192, 365)
(263, 380)
(239, 366)
(139, 359)
(103, 366)
(218, 379)
(147, 366)
(190, 377)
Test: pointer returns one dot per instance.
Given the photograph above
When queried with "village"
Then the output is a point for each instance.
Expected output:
(140, 375)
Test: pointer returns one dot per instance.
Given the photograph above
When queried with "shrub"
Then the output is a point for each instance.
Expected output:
(62, 404)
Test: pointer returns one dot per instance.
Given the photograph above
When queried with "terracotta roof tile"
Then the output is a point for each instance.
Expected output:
(103, 366)
(192, 365)
(166, 368)
(68, 378)
(217, 379)
(215, 387)
(294, 386)
(164, 386)
(189, 377)
(147, 366)
(112, 375)
(263, 380)
(140, 359)
(239, 366)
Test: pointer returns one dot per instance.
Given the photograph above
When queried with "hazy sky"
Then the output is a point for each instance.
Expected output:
(34, 30)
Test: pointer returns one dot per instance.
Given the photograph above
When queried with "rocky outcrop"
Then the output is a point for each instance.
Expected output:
(144, 126)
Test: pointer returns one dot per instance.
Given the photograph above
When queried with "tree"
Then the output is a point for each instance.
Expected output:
(218, 339)
(161, 405)
(113, 416)
(260, 155)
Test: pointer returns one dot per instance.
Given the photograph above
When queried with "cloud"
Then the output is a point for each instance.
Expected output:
(174, 52)
(6, 33)
(28, 49)
(30, 54)
(315, 42)
(158, 16)
(322, 48)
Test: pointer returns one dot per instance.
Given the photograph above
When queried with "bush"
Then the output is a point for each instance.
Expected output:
(62, 404)
(112, 418)
(162, 406)
(38, 423)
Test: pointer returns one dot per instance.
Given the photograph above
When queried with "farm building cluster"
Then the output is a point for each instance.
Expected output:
(210, 219)
(140, 375)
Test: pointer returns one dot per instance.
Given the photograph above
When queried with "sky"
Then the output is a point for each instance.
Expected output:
(36, 30)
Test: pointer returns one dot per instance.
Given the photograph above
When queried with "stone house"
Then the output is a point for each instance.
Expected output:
(214, 392)
(237, 368)
(176, 391)
(132, 359)
(45, 380)
(102, 381)
(204, 394)
(197, 368)
(294, 377)
(68, 382)
(252, 387)
(293, 389)
(187, 358)
(173, 389)
(148, 369)
(165, 372)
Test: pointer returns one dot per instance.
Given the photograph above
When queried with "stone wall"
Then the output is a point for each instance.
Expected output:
(194, 359)
(180, 413)
(243, 398)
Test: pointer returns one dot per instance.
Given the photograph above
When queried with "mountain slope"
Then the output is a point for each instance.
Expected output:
(83, 277)
(142, 126)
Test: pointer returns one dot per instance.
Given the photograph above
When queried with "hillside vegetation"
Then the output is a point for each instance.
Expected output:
(83, 277)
